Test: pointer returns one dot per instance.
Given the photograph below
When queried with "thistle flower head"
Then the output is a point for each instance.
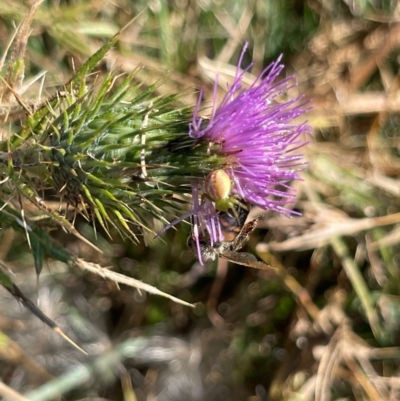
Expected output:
(256, 137)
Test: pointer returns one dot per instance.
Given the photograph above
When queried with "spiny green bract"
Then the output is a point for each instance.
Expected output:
(118, 153)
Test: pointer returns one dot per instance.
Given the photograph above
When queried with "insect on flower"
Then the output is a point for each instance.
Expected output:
(235, 233)
(255, 130)
(218, 187)
(256, 135)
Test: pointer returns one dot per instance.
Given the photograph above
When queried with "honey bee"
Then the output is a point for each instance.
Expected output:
(235, 232)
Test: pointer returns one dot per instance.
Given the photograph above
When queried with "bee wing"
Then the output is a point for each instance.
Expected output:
(246, 259)
(244, 234)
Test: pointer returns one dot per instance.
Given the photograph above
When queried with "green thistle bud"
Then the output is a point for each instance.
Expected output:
(119, 154)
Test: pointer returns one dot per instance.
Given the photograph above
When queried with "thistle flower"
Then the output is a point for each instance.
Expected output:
(121, 154)
(257, 138)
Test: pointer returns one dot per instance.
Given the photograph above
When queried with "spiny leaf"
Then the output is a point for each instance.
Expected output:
(88, 66)
(75, 85)
(12, 288)
(5, 280)
(38, 253)
(55, 216)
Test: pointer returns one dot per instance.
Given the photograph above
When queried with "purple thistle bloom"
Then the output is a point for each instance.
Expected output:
(258, 139)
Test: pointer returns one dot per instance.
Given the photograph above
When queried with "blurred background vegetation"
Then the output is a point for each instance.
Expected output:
(327, 327)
